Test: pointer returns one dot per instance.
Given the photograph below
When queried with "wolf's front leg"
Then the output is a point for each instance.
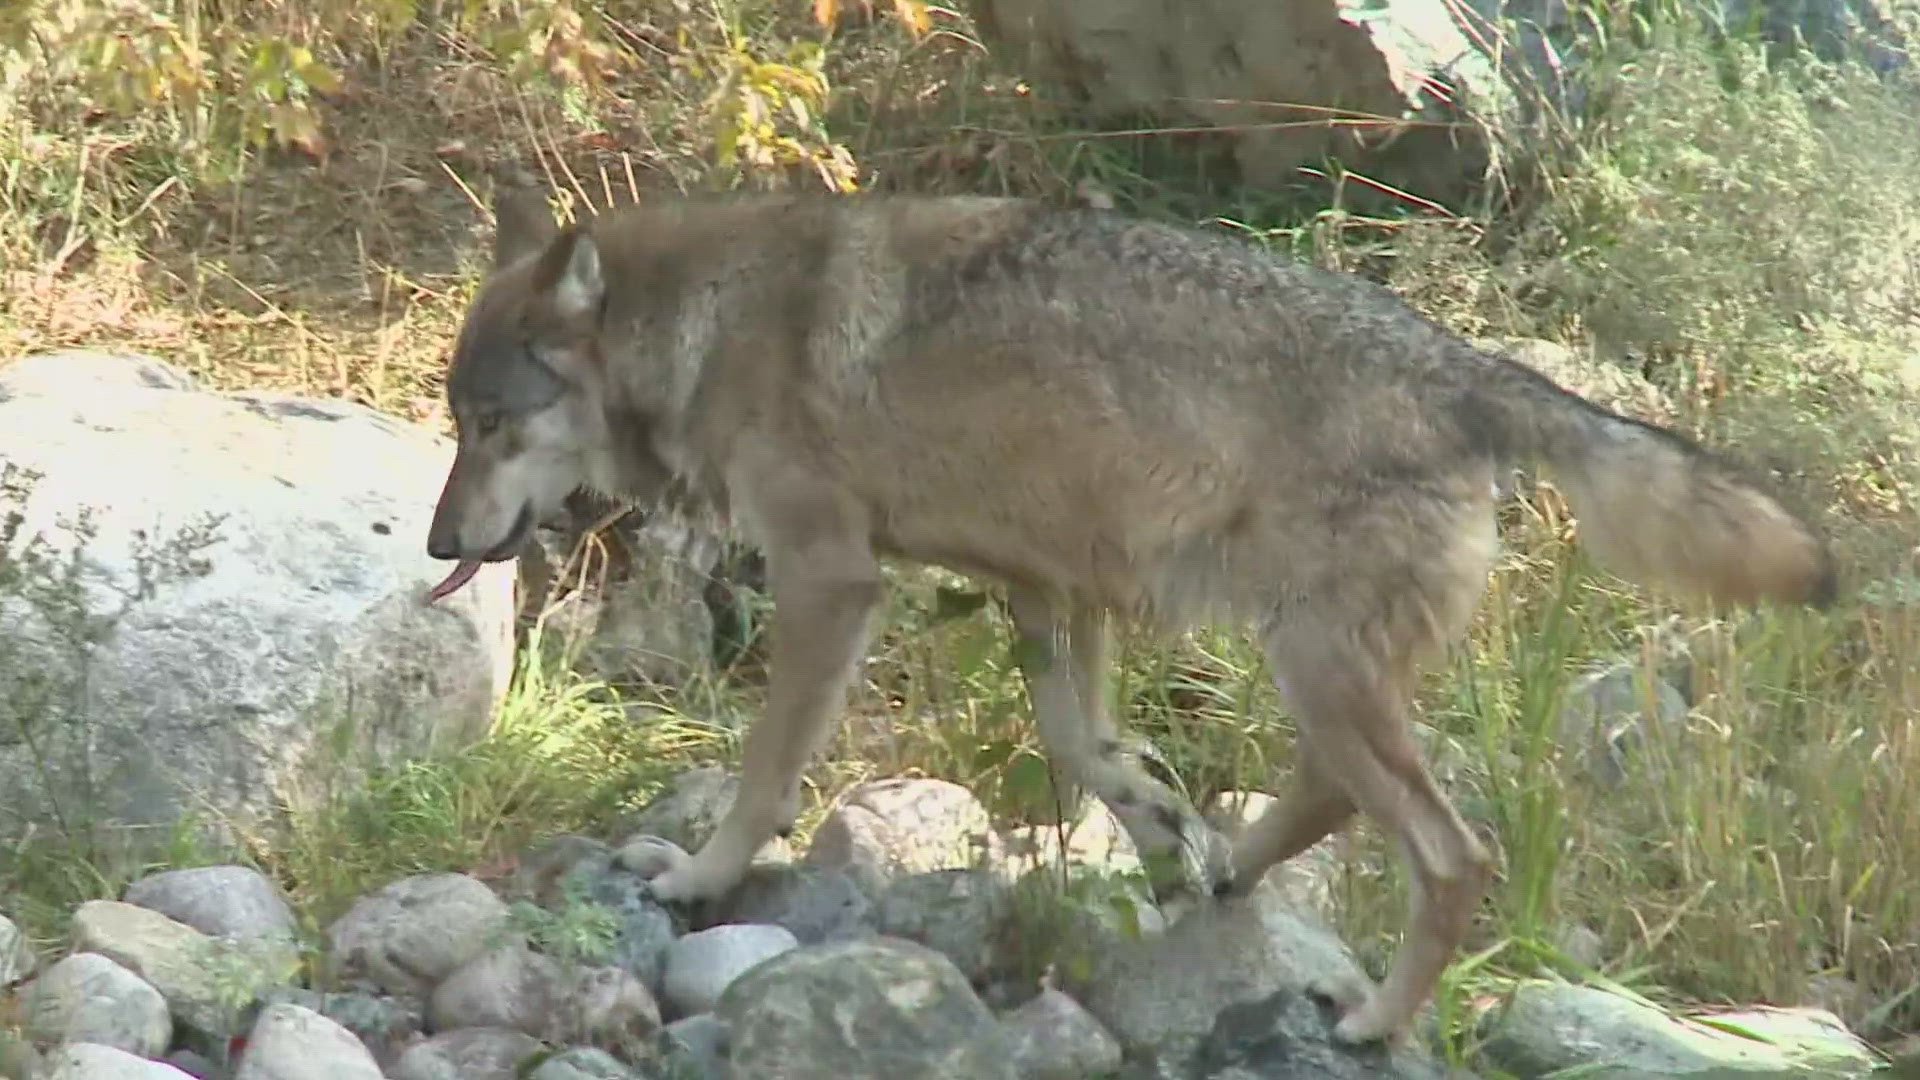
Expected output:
(824, 595)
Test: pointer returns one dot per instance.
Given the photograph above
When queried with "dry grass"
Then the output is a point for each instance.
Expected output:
(1768, 842)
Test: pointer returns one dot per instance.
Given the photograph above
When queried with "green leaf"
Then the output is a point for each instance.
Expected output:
(994, 755)
(1028, 781)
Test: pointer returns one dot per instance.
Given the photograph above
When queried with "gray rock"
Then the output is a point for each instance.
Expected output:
(1096, 838)
(1288, 1035)
(542, 872)
(1580, 943)
(91, 1061)
(648, 620)
(1549, 1026)
(610, 1006)
(1308, 881)
(696, 1046)
(410, 934)
(87, 998)
(1161, 993)
(384, 1023)
(955, 912)
(687, 809)
(16, 956)
(510, 987)
(289, 652)
(224, 901)
(649, 856)
(480, 1053)
(291, 1043)
(582, 1063)
(876, 1009)
(1225, 65)
(196, 1065)
(1852, 1003)
(1064, 923)
(884, 828)
(1607, 714)
(701, 965)
(84, 372)
(1053, 1038)
(208, 982)
(514, 987)
(643, 928)
(817, 904)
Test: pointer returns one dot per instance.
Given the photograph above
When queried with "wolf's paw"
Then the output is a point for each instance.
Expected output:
(651, 856)
(1197, 870)
(699, 879)
(1372, 1020)
(1347, 991)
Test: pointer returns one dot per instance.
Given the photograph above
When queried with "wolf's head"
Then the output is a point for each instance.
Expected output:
(524, 389)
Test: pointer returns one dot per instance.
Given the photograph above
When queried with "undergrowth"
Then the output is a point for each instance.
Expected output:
(291, 196)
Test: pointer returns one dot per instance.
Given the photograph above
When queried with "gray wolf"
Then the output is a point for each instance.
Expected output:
(1114, 419)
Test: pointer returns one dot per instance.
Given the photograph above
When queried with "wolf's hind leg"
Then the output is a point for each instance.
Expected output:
(1350, 706)
(1313, 807)
(1063, 660)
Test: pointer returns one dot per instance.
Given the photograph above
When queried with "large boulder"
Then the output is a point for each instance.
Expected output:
(1284, 82)
(1424, 94)
(283, 644)
(1547, 1027)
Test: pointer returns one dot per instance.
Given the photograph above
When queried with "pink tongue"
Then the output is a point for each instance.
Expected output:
(462, 574)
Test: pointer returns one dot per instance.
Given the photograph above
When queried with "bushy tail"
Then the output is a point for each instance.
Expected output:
(1654, 507)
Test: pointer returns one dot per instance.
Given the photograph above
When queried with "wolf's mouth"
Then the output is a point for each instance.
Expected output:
(464, 570)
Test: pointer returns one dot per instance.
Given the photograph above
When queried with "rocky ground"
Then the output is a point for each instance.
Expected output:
(910, 939)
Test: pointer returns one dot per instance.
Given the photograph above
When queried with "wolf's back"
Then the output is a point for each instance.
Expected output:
(1653, 506)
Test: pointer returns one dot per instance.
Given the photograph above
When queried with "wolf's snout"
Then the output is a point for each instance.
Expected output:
(443, 534)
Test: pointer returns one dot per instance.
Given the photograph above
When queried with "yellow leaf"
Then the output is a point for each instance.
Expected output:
(825, 11)
(914, 14)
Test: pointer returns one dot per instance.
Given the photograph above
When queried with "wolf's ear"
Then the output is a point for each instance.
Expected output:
(523, 224)
(569, 274)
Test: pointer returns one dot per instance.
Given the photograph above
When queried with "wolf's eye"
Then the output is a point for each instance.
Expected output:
(486, 423)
